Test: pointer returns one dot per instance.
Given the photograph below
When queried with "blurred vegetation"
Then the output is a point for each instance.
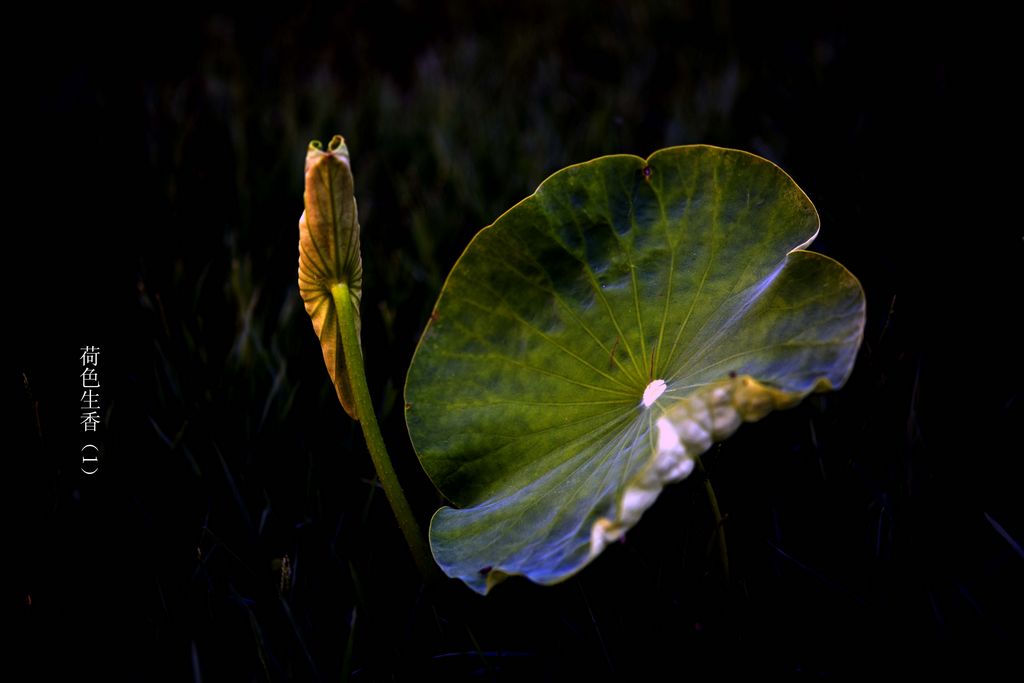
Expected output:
(236, 534)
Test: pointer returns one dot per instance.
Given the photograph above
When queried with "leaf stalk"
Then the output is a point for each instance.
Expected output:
(723, 550)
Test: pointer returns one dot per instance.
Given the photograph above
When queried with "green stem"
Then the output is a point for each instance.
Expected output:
(723, 551)
(371, 432)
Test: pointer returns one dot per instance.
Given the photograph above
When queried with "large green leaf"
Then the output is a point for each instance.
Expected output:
(604, 332)
(329, 254)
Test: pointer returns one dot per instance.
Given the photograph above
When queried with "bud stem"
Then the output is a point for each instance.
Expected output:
(371, 432)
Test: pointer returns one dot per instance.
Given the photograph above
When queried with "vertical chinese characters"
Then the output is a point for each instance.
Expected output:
(90, 406)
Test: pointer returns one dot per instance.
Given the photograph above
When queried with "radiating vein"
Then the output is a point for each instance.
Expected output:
(600, 293)
(782, 344)
(553, 479)
(507, 359)
(707, 267)
(533, 328)
(668, 289)
(561, 300)
(565, 306)
(599, 467)
(627, 249)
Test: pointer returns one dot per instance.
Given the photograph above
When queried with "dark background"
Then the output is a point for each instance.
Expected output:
(155, 167)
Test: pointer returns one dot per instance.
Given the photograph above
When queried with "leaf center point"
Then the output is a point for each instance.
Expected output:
(653, 391)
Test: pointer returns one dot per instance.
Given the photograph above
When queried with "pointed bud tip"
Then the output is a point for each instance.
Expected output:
(335, 148)
(336, 144)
